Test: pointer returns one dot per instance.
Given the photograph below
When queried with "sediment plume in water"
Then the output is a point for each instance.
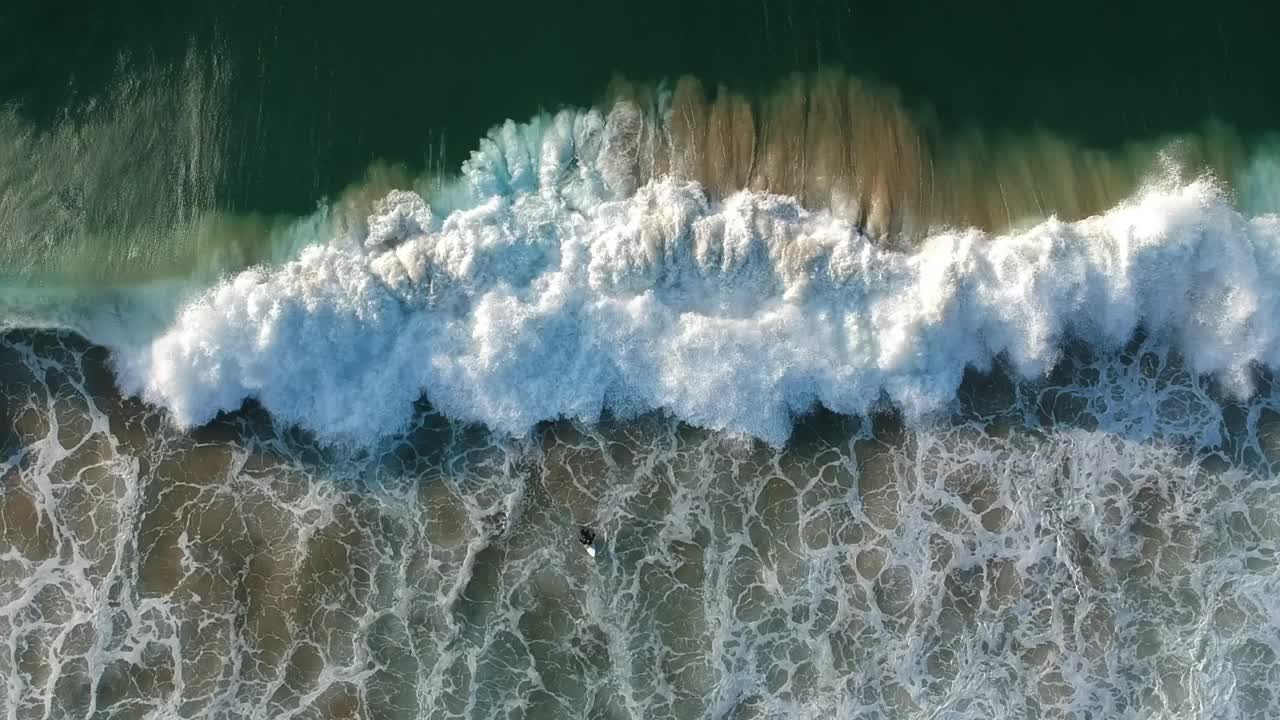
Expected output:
(839, 142)
(123, 188)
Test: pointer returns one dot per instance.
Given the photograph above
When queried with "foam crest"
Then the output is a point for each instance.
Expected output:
(542, 289)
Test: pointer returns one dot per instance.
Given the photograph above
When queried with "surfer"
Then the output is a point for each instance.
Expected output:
(587, 537)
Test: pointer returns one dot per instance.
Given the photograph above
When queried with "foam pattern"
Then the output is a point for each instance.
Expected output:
(990, 565)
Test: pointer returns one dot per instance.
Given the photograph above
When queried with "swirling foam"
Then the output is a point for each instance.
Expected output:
(543, 286)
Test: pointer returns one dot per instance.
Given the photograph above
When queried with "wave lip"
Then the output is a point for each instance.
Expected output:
(540, 290)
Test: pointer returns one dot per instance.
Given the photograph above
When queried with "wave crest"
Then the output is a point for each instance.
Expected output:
(540, 289)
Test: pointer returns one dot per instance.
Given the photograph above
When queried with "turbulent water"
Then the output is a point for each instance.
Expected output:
(873, 416)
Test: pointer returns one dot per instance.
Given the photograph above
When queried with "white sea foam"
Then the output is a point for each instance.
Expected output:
(542, 286)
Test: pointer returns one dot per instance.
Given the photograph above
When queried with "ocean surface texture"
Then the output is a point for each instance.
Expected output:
(907, 361)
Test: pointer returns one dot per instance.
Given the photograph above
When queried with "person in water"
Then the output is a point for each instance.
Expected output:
(587, 537)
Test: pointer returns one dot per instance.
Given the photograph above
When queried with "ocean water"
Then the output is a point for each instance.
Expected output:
(908, 362)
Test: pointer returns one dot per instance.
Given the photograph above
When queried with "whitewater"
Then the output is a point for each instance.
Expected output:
(545, 283)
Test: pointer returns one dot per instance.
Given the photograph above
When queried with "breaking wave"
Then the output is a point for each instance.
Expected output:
(545, 283)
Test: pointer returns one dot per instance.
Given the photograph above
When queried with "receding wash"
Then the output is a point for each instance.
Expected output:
(676, 360)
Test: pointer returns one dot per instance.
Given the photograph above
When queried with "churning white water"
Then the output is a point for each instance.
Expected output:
(547, 293)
